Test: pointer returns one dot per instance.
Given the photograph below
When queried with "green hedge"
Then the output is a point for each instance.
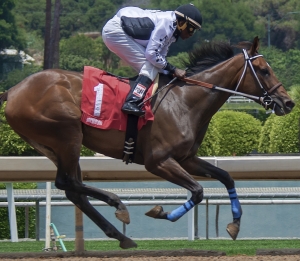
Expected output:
(281, 134)
(231, 133)
(20, 214)
(211, 143)
(264, 138)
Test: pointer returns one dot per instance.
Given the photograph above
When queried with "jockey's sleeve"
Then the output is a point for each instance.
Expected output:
(159, 42)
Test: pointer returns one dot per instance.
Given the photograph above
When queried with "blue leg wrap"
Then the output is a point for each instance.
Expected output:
(235, 204)
(179, 212)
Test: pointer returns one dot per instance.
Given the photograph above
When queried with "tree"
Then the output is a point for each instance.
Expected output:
(222, 20)
(17, 76)
(81, 50)
(229, 21)
(85, 16)
(282, 17)
(55, 37)
(78, 51)
(30, 15)
(47, 37)
(285, 64)
(9, 34)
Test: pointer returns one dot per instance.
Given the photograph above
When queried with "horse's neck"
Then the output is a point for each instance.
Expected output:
(201, 103)
(225, 74)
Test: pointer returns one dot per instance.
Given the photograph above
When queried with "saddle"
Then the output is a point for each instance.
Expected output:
(103, 95)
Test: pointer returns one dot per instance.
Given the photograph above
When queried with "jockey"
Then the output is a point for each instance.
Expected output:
(142, 38)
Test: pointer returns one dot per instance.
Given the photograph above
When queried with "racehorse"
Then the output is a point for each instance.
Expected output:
(44, 109)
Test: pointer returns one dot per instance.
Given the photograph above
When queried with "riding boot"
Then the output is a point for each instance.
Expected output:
(136, 96)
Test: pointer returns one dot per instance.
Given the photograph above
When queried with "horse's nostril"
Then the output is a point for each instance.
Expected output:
(289, 104)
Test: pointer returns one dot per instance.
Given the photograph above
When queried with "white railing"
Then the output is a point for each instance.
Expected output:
(41, 169)
(238, 99)
(29, 169)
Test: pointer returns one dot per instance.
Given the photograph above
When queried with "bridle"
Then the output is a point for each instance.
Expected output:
(265, 100)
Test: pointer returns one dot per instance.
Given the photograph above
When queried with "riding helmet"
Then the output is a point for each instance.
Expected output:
(191, 14)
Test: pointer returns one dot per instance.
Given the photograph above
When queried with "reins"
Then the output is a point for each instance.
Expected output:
(265, 100)
(214, 87)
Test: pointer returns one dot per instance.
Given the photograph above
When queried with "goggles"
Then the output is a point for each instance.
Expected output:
(191, 29)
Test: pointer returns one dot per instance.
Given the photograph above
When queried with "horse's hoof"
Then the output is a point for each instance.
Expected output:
(127, 243)
(233, 229)
(123, 216)
(155, 212)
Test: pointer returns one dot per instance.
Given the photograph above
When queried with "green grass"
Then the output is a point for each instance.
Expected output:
(238, 247)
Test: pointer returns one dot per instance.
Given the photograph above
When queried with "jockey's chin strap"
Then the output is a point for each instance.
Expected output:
(264, 100)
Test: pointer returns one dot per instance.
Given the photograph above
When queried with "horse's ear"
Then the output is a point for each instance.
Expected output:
(255, 46)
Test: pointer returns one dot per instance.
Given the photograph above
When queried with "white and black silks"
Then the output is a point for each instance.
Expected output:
(152, 30)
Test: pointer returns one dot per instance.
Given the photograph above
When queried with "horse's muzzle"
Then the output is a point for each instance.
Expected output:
(282, 106)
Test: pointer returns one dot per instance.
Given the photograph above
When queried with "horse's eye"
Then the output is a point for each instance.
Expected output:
(264, 71)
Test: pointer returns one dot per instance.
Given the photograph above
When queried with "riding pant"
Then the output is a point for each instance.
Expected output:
(127, 48)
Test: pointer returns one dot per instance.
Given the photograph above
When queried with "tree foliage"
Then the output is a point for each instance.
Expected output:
(285, 64)
(282, 17)
(81, 50)
(17, 76)
(75, 16)
(9, 33)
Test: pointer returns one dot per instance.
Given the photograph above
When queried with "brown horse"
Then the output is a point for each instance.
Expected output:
(44, 109)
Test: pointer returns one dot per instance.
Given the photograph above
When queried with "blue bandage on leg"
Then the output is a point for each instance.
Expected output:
(235, 204)
(179, 212)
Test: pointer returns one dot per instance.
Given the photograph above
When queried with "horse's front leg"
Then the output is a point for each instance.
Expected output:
(198, 167)
(171, 171)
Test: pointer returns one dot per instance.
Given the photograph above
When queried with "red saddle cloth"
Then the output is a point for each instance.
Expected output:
(103, 96)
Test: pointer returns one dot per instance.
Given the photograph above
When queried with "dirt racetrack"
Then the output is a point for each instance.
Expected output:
(179, 255)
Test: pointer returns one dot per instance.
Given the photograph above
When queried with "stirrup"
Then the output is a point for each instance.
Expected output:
(130, 108)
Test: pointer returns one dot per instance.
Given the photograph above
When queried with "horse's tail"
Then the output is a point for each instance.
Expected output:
(3, 97)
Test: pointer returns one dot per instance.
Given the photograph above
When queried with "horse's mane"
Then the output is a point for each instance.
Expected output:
(206, 55)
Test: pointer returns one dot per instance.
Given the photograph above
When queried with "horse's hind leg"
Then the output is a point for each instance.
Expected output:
(199, 167)
(63, 182)
(84, 205)
(82, 202)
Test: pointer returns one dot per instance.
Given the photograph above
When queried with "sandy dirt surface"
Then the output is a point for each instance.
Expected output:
(181, 255)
